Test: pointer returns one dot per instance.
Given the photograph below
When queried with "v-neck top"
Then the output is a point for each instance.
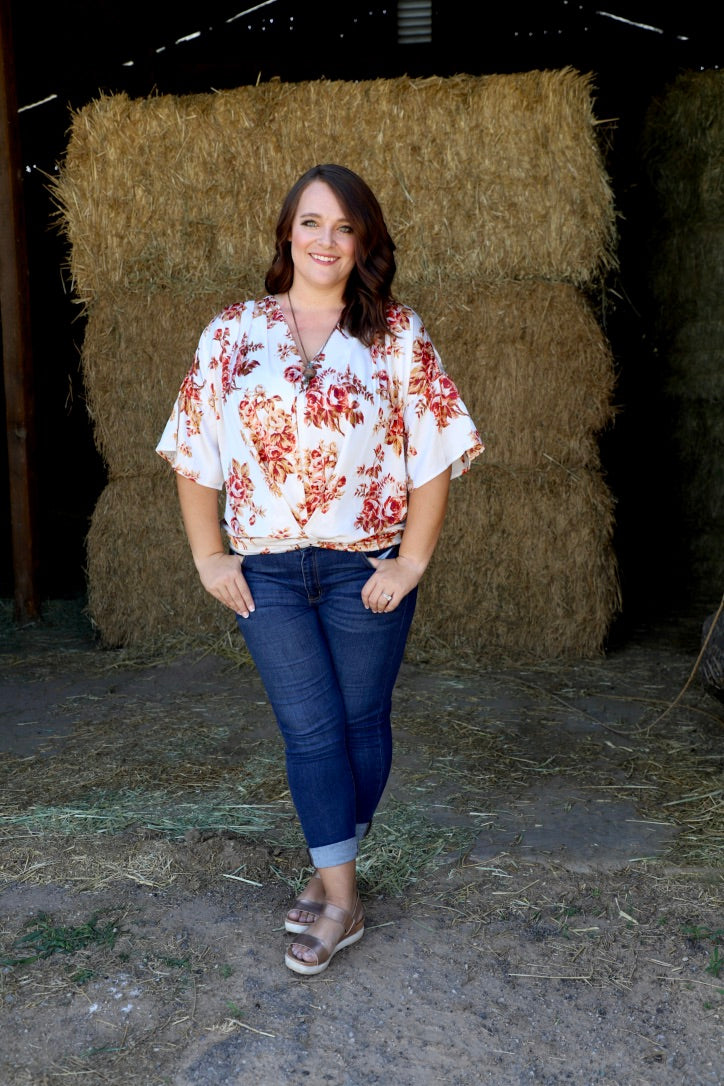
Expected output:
(328, 463)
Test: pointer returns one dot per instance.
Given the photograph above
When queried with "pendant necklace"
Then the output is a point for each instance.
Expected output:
(310, 369)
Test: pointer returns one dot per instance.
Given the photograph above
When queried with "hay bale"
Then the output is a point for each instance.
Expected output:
(496, 176)
(525, 568)
(136, 351)
(705, 550)
(711, 667)
(698, 434)
(695, 359)
(685, 277)
(142, 583)
(532, 365)
(682, 149)
(538, 540)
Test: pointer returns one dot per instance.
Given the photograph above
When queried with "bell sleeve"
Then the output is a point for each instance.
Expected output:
(190, 441)
(439, 430)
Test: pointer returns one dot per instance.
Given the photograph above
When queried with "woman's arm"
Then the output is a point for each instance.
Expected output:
(220, 572)
(426, 507)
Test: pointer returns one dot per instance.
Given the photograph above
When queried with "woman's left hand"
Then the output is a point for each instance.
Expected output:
(389, 584)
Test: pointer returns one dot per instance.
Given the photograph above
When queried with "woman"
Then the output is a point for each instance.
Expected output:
(324, 412)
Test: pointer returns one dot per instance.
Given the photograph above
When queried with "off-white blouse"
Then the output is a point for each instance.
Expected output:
(326, 465)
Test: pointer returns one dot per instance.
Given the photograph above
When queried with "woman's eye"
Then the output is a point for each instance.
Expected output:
(312, 224)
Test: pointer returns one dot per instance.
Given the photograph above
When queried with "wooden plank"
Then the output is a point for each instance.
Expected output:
(16, 340)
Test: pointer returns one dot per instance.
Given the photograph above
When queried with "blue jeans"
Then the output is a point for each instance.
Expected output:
(329, 667)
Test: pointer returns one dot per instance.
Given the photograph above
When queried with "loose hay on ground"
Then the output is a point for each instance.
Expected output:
(167, 773)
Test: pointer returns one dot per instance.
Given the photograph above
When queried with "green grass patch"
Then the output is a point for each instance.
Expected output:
(714, 936)
(407, 844)
(106, 811)
(44, 937)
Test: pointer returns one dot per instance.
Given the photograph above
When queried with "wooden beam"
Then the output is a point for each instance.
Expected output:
(16, 339)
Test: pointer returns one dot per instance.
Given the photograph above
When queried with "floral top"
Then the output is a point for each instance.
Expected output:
(326, 465)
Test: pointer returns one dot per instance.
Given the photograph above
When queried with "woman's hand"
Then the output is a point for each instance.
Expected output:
(389, 584)
(220, 572)
(395, 577)
(221, 576)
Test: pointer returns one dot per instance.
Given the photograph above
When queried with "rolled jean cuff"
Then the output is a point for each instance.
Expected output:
(361, 830)
(341, 852)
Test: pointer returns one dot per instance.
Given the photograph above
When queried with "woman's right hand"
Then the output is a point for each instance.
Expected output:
(221, 576)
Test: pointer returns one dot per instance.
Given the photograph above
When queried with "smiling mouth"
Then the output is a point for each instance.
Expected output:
(323, 259)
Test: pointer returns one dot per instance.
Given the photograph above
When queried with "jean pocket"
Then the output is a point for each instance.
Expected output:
(386, 552)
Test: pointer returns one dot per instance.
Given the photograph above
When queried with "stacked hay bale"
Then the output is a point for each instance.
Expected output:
(684, 160)
(495, 193)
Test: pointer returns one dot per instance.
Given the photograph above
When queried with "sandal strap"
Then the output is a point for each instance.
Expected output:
(302, 904)
(339, 916)
(311, 942)
(343, 917)
(308, 906)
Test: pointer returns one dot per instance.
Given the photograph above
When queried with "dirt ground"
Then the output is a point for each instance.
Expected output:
(543, 883)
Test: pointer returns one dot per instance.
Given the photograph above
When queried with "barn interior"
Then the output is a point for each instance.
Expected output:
(544, 880)
(662, 455)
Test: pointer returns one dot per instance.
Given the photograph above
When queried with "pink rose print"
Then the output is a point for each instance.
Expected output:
(436, 391)
(239, 486)
(395, 431)
(322, 486)
(394, 510)
(189, 401)
(239, 493)
(294, 373)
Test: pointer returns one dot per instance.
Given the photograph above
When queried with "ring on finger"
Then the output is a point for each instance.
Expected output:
(386, 596)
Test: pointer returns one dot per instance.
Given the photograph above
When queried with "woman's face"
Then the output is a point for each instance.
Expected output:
(322, 239)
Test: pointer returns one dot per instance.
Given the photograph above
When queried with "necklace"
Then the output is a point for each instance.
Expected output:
(310, 369)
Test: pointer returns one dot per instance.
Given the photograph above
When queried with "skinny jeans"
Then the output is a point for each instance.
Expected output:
(329, 667)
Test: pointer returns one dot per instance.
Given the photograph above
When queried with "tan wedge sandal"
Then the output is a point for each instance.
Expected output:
(353, 928)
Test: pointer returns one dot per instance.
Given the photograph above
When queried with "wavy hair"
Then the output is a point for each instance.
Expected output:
(369, 288)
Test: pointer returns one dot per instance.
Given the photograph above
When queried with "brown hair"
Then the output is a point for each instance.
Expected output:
(369, 287)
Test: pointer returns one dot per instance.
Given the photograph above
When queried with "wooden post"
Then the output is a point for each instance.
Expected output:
(16, 341)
